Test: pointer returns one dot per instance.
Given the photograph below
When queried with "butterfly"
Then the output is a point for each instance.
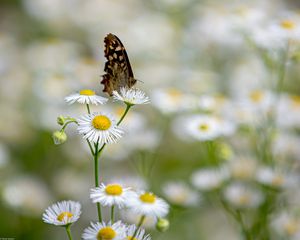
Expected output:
(118, 71)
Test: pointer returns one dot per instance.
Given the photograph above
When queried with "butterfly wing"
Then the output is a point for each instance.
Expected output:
(118, 71)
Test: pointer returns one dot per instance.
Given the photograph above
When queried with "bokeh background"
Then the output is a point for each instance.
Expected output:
(190, 56)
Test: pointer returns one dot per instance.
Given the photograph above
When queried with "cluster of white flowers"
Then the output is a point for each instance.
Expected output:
(100, 129)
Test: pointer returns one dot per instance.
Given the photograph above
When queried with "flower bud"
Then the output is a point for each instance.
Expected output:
(59, 137)
(61, 120)
(162, 224)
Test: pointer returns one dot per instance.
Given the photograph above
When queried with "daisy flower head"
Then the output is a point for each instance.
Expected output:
(62, 213)
(111, 194)
(103, 231)
(203, 127)
(148, 204)
(85, 96)
(140, 233)
(131, 96)
(99, 127)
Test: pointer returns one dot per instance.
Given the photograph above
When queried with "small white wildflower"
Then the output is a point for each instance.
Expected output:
(99, 127)
(62, 213)
(86, 96)
(131, 96)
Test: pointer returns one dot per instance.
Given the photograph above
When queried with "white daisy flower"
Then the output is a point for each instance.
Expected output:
(131, 96)
(62, 213)
(148, 204)
(85, 96)
(140, 234)
(99, 127)
(96, 231)
(203, 127)
(181, 194)
(243, 196)
(209, 178)
(111, 194)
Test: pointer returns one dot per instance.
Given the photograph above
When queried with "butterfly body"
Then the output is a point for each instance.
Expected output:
(118, 71)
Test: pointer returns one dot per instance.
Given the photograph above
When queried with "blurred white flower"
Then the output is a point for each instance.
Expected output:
(99, 127)
(243, 196)
(112, 195)
(18, 194)
(288, 111)
(287, 225)
(85, 96)
(243, 168)
(286, 144)
(202, 127)
(131, 96)
(277, 34)
(148, 204)
(181, 194)
(62, 213)
(111, 231)
(221, 20)
(275, 177)
(172, 100)
(209, 178)
(211, 103)
(253, 107)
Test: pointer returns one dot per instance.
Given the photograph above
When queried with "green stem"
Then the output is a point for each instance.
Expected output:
(66, 124)
(128, 106)
(246, 233)
(88, 109)
(282, 70)
(96, 159)
(142, 219)
(68, 229)
(90, 146)
(112, 214)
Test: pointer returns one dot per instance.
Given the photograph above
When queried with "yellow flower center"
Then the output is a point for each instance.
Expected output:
(148, 198)
(287, 24)
(295, 100)
(62, 216)
(256, 96)
(174, 93)
(244, 199)
(101, 122)
(291, 227)
(278, 181)
(87, 92)
(203, 127)
(106, 233)
(113, 189)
